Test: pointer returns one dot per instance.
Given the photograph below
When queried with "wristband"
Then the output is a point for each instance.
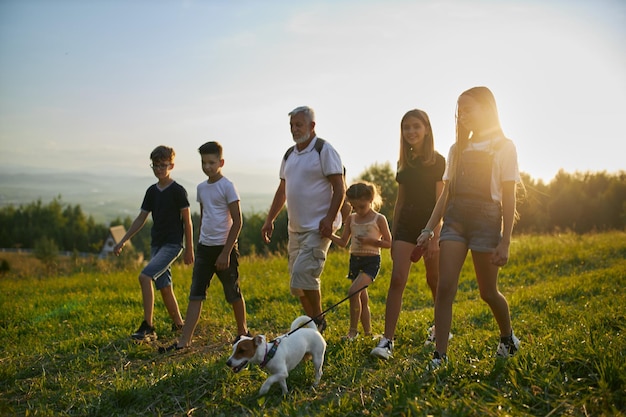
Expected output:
(430, 233)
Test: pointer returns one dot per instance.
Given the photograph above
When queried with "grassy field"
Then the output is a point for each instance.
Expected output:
(65, 349)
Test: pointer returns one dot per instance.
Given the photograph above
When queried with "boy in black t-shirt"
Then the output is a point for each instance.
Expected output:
(171, 216)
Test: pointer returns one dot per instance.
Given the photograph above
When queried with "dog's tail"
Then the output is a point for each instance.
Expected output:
(300, 322)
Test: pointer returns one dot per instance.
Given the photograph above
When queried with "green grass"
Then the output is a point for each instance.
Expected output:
(65, 348)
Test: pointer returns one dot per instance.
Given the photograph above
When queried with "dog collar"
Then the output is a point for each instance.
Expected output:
(269, 355)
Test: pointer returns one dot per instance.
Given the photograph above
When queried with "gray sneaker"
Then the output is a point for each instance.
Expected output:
(144, 333)
(384, 350)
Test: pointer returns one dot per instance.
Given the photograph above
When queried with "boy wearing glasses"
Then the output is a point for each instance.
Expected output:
(171, 217)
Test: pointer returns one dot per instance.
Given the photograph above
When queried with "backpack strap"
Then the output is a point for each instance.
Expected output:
(319, 144)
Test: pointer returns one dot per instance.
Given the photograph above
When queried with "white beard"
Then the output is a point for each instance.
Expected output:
(302, 138)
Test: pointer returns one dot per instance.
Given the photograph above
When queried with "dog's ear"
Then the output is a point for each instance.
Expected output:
(258, 340)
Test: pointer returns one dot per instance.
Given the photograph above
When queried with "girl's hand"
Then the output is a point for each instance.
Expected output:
(365, 240)
(500, 255)
(432, 248)
(423, 238)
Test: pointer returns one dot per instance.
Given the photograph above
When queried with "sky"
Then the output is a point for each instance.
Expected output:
(94, 86)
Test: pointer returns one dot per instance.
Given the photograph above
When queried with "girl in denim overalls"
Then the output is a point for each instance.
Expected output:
(478, 209)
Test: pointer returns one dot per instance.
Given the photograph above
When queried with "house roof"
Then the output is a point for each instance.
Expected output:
(117, 232)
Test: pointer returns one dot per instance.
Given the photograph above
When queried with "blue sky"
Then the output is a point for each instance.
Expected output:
(94, 86)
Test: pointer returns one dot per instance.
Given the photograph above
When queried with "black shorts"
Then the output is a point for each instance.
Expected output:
(369, 265)
(204, 269)
(409, 224)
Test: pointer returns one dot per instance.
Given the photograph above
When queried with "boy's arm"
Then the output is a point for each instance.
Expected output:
(132, 231)
(223, 260)
(188, 225)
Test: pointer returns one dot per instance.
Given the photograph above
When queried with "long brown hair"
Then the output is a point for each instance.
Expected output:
(484, 97)
(428, 156)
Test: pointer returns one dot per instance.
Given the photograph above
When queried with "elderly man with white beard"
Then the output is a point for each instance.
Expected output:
(312, 185)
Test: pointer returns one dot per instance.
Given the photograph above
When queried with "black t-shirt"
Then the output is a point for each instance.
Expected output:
(165, 206)
(420, 184)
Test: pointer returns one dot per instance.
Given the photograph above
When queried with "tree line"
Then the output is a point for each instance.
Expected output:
(578, 202)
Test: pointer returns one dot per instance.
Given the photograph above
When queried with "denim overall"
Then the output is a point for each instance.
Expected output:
(471, 215)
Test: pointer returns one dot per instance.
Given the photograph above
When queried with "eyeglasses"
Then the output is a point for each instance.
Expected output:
(160, 166)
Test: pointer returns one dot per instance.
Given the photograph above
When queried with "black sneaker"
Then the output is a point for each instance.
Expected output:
(144, 333)
(177, 327)
(171, 348)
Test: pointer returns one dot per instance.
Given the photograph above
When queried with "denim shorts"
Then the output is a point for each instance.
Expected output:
(307, 256)
(204, 269)
(476, 223)
(369, 265)
(160, 266)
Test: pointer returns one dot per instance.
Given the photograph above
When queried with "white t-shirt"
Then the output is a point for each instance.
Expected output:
(307, 188)
(216, 218)
(505, 167)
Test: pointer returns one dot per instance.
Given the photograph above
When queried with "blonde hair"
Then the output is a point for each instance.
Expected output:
(365, 191)
(428, 156)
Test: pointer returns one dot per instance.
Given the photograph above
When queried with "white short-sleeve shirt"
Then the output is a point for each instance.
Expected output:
(308, 191)
(216, 219)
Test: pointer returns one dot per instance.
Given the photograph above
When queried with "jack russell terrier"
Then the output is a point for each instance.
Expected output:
(282, 354)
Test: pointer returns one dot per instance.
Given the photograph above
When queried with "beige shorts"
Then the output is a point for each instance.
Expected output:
(307, 256)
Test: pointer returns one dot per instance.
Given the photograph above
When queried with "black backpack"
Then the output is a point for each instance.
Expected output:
(319, 144)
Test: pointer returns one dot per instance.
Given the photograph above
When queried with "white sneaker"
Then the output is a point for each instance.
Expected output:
(384, 350)
(508, 346)
(430, 339)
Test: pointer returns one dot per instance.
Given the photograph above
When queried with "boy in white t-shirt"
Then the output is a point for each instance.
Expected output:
(216, 252)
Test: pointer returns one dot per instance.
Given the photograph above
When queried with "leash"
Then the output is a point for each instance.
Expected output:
(327, 310)
(270, 354)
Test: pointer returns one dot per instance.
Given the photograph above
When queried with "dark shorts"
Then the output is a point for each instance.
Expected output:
(204, 269)
(476, 223)
(369, 265)
(410, 223)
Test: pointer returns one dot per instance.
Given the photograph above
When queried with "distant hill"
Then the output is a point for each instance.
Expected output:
(102, 197)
